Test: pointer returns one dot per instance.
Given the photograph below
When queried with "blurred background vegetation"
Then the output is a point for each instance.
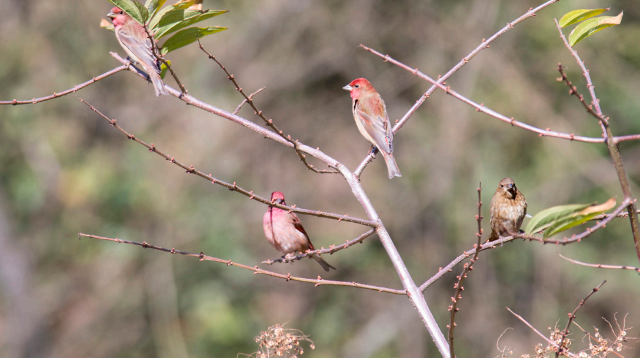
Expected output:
(64, 171)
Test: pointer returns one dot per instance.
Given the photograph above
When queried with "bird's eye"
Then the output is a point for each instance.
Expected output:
(502, 186)
(356, 86)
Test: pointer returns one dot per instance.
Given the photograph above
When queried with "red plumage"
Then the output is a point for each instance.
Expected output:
(285, 232)
(372, 120)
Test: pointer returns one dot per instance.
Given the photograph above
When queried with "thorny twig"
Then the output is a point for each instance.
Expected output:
(318, 282)
(617, 267)
(612, 144)
(268, 122)
(493, 244)
(453, 308)
(550, 342)
(156, 53)
(233, 187)
(572, 316)
(330, 250)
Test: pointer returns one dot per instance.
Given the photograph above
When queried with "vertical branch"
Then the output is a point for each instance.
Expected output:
(612, 146)
(453, 309)
(415, 294)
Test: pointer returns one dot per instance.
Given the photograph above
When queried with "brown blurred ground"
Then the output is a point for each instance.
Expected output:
(64, 171)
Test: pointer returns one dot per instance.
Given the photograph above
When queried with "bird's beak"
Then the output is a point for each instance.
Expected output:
(111, 15)
(347, 88)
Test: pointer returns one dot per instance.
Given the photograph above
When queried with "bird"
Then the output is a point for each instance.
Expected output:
(508, 209)
(285, 232)
(372, 120)
(135, 42)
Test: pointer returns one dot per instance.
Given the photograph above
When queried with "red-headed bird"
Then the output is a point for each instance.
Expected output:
(508, 209)
(372, 120)
(285, 232)
(134, 40)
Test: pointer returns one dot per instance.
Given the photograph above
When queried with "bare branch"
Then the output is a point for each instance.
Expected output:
(66, 92)
(330, 250)
(318, 282)
(483, 45)
(617, 267)
(268, 122)
(612, 145)
(190, 169)
(572, 316)
(481, 108)
(493, 244)
(245, 100)
(550, 342)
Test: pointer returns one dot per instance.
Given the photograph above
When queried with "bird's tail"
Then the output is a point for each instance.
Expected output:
(157, 83)
(392, 167)
(325, 265)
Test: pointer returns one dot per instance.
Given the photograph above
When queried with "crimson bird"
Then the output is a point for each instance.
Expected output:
(508, 209)
(372, 120)
(134, 40)
(285, 232)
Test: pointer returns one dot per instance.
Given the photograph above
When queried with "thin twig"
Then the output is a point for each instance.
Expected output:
(66, 92)
(190, 169)
(616, 267)
(573, 90)
(483, 45)
(318, 282)
(160, 58)
(612, 145)
(572, 316)
(268, 122)
(550, 342)
(245, 100)
(332, 249)
(482, 108)
(414, 294)
(498, 243)
(453, 308)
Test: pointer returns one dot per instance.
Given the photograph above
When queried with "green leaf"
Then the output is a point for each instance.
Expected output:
(187, 36)
(590, 27)
(178, 19)
(575, 16)
(153, 23)
(559, 218)
(548, 217)
(568, 224)
(153, 5)
(133, 9)
(164, 69)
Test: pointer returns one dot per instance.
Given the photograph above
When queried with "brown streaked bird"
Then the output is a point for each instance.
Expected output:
(372, 120)
(285, 232)
(508, 209)
(135, 42)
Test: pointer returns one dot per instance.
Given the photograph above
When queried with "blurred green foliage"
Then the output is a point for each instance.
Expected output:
(65, 170)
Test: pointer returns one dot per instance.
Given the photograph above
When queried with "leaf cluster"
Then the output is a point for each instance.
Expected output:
(172, 19)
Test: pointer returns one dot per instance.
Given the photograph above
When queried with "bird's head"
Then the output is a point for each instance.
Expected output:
(357, 87)
(278, 198)
(508, 188)
(115, 12)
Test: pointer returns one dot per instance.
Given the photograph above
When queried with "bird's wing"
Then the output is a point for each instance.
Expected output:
(377, 126)
(138, 44)
(298, 225)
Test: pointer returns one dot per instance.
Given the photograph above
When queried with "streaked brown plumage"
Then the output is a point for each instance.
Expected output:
(135, 42)
(508, 209)
(285, 232)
